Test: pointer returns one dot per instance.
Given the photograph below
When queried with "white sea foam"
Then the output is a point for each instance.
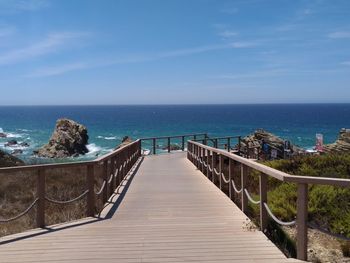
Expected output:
(1, 130)
(13, 135)
(93, 148)
(107, 138)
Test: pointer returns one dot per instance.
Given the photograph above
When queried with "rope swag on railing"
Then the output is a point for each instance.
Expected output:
(21, 214)
(124, 157)
(59, 202)
(200, 154)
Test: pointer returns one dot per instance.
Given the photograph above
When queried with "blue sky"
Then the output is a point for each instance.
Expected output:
(174, 51)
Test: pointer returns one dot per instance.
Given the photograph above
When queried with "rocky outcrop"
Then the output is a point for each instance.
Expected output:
(3, 135)
(173, 147)
(341, 145)
(14, 143)
(256, 140)
(7, 160)
(69, 139)
(11, 143)
(125, 141)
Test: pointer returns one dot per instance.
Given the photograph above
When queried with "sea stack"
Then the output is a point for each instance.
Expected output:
(68, 139)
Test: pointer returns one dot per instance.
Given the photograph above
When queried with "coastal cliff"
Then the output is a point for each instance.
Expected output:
(341, 145)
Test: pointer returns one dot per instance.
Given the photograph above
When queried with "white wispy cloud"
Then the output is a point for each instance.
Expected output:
(53, 71)
(339, 34)
(15, 6)
(135, 58)
(227, 34)
(52, 43)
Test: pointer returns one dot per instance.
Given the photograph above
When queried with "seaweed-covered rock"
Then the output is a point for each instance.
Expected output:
(3, 135)
(7, 160)
(341, 145)
(173, 147)
(69, 139)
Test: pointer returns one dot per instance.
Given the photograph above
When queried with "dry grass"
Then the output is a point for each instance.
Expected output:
(18, 190)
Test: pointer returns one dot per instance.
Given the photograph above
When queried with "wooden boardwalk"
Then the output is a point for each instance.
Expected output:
(169, 213)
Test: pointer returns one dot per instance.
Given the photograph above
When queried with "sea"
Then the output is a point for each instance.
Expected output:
(107, 125)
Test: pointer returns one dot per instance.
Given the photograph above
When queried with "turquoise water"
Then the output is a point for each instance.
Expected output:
(108, 124)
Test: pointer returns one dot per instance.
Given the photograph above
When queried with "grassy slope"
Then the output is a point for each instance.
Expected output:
(329, 206)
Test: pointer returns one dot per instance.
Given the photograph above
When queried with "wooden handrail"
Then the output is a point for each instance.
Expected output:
(199, 154)
(168, 138)
(117, 164)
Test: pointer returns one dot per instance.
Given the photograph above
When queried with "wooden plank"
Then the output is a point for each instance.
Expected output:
(171, 212)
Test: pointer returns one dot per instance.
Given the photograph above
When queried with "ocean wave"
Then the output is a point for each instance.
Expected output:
(1, 130)
(108, 138)
(93, 148)
(13, 135)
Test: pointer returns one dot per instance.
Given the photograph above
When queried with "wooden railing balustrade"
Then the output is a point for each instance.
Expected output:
(183, 138)
(115, 167)
(222, 142)
(210, 161)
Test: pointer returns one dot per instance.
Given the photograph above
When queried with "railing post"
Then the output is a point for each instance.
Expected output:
(154, 145)
(230, 175)
(244, 198)
(105, 179)
(213, 164)
(239, 145)
(220, 170)
(228, 144)
(302, 215)
(183, 143)
(91, 194)
(263, 199)
(168, 144)
(40, 212)
(208, 156)
(114, 180)
(216, 143)
(195, 137)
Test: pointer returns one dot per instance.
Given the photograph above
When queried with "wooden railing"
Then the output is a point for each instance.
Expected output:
(115, 166)
(211, 161)
(169, 139)
(222, 142)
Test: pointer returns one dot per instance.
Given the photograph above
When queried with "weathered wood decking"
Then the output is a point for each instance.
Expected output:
(170, 213)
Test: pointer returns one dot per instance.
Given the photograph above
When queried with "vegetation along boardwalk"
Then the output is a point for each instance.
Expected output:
(170, 213)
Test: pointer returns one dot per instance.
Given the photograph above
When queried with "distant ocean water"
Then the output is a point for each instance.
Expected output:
(108, 124)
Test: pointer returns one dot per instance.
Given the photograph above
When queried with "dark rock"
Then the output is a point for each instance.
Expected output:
(7, 160)
(259, 137)
(11, 143)
(341, 145)
(17, 152)
(24, 144)
(69, 139)
(173, 147)
(3, 135)
(125, 141)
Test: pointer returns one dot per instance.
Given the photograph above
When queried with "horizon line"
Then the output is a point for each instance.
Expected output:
(172, 104)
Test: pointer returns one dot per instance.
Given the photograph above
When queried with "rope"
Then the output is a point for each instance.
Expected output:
(216, 171)
(223, 178)
(68, 201)
(235, 188)
(101, 189)
(110, 178)
(205, 164)
(250, 198)
(210, 169)
(311, 225)
(291, 223)
(21, 214)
